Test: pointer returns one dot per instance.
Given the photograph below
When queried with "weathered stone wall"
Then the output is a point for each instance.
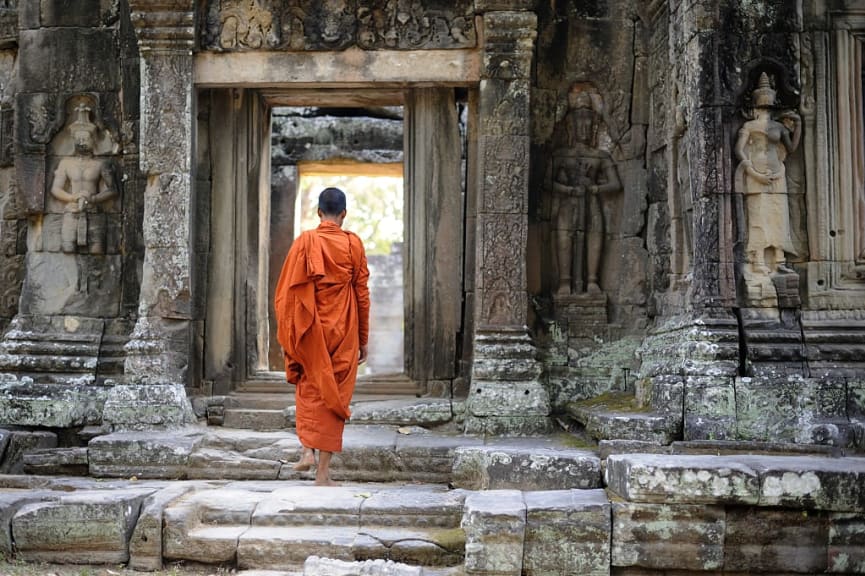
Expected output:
(13, 224)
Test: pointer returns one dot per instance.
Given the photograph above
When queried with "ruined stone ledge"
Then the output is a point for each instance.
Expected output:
(811, 483)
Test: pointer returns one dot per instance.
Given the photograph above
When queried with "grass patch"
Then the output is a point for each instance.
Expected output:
(610, 402)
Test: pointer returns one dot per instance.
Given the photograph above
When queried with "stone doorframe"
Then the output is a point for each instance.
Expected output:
(506, 393)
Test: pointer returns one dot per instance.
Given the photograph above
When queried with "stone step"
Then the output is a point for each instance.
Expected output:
(424, 412)
(255, 419)
(370, 453)
(617, 416)
(279, 529)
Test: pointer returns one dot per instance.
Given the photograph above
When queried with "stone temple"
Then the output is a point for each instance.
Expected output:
(633, 227)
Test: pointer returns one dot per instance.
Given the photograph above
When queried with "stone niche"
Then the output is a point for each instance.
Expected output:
(588, 262)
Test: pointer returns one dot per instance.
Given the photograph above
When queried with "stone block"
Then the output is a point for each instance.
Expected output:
(217, 464)
(205, 526)
(846, 543)
(761, 540)
(710, 408)
(416, 507)
(57, 461)
(24, 403)
(567, 532)
(416, 412)
(682, 479)
(20, 443)
(315, 566)
(835, 484)
(10, 503)
(428, 457)
(417, 546)
(767, 409)
(495, 525)
(668, 536)
(299, 505)
(145, 544)
(286, 547)
(143, 454)
(68, 60)
(91, 527)
(73, 13)
(368, 453)
(137, 406)
(538, 468)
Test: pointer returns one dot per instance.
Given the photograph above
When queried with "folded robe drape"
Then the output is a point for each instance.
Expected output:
(322, 312)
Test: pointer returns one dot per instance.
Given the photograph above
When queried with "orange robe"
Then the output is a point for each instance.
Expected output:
(322, 313)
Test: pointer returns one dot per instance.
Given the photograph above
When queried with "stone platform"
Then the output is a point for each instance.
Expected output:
(503, 510)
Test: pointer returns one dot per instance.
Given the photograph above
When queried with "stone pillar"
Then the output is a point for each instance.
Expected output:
(506, 394)
(158, 350)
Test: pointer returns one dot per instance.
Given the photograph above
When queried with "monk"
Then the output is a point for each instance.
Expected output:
(322, 313)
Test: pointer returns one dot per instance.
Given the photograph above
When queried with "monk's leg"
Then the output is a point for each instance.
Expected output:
(307, 460)
(322, 474)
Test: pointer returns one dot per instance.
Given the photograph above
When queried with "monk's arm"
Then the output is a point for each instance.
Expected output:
(362, 291)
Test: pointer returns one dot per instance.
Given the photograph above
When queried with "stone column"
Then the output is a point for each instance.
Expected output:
(158, 350)
(506, 394)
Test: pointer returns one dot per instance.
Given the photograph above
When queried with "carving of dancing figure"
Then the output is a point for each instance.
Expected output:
(581, 174)
(762, 146)
(83, 182)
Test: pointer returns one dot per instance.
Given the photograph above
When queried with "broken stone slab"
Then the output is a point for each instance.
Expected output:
(22, 442)
(812, 483)
(603, 424)
(288, 547)
(420, 546)
(429, 458)
(415, 506)
(846, 546)
(267, 445)
(204, 526)
(217, 464)
(305, 504)
(151, 454)
(315, 566)
(667, 536)
(145, 545)
(761, 540)
(57, 461)
(91, 527)
(567, 532)
(682, 479)
(524, 468)
(495, 525)
(10, 502)
(425, 412)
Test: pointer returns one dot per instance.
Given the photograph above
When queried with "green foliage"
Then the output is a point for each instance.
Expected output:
(375, 207)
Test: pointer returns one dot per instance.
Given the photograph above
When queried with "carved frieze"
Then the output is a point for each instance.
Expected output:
(506, 175)
(504, 267)
(338, 24)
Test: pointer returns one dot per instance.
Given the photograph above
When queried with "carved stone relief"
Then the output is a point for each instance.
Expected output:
(338, 24)
(764, 141)
(580, 176)
(83, 185)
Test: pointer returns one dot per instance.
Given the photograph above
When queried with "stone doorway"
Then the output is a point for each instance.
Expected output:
(249, 232)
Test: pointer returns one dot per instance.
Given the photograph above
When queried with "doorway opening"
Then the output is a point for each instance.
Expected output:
(375, 213)
(359, 150)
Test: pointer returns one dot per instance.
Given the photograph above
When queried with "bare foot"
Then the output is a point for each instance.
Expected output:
(303, 466)
(326, 482)
(307, 461)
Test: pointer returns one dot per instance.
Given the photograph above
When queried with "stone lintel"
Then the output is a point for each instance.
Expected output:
(350, 67)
